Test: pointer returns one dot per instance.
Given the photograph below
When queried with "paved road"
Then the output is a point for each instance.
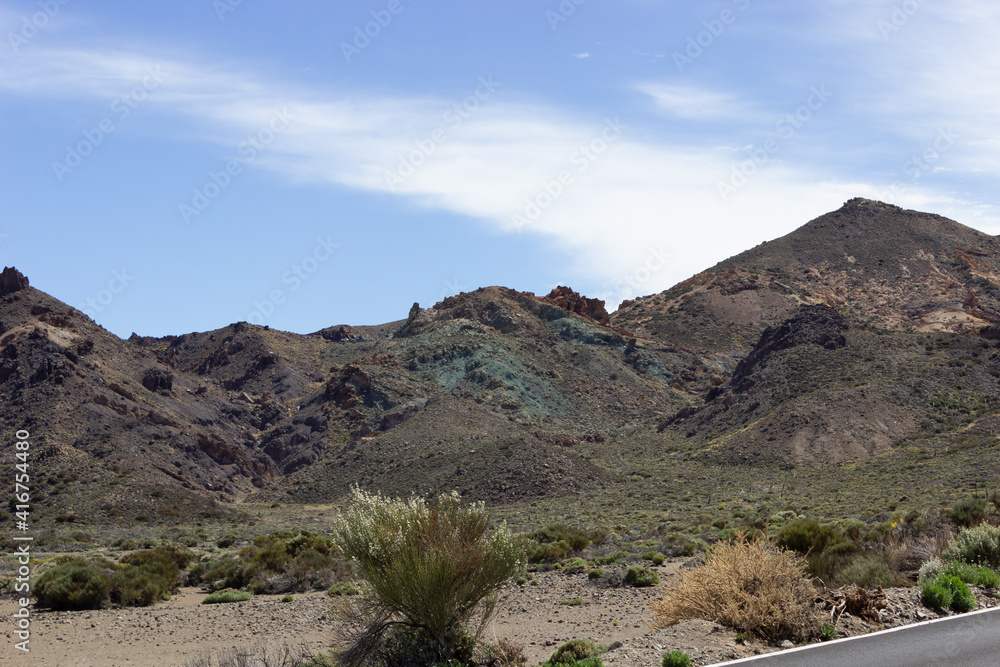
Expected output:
(968, 640)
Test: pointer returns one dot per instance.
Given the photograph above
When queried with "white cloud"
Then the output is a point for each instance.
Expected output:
(630, 198)
(693, 103)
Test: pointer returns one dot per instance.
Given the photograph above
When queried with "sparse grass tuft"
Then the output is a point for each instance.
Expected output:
(227, 595)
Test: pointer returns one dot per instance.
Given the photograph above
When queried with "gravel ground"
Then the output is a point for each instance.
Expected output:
(180, 629)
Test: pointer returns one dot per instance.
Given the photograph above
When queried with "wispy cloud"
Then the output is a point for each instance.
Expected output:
(693, 103)
(639, 193)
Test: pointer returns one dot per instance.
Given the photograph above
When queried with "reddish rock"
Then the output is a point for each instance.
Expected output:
(12, 280)
(567, 299)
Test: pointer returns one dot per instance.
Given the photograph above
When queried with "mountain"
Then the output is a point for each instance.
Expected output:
(851, 334)
(901, 269)
(487, 392)
(867, 333)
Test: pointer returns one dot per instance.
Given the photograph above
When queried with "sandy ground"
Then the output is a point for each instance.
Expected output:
(180, 629)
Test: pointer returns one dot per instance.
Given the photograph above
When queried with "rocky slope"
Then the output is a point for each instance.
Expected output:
(860, 331)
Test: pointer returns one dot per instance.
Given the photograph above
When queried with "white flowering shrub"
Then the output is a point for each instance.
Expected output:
(976, 546)
(931, 569)
(429, 570)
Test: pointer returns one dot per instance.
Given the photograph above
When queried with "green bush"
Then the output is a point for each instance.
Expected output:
(549, 552)
(976, 575)
(968, 512)
(963, 599)
(676, 659)
(868, 570)
(976, 546)
(576, 539)
(947, 590)
(76, 583)
(430, 569)
(227, 595)
(288, 598)
(346, 588)
(575, 650)
(640, 577)
(595, 573)
(281, 562)
(656, 558)
(227, 540)
(935, 595)
(809, 537)
(143, 585)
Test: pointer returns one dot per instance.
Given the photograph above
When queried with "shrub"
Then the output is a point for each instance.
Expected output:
(676, 659)
(282, 562)
(226, 541)
(595, 573)
(227, 595)
(868, 570)
(963, 599)
(148, 575)
(947, 590)
(976, 575)
(346, 588)
(76, 583)
(935, 595)
(548, 552)
(430, 568)
(505, 653)
(288, 598)
(748, 586)
(575, 650)
(142, 585)
(968, 512)
(656, 558)
(556, 542)
(977, 546)
(641, 577)
(809, 537)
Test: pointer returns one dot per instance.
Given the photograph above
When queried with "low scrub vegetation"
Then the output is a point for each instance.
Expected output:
(976, 546)
(750, 586)
(577, 653)
(140, 579)
(676, 659)
(947, 591)
(227, 595)
(281, 562)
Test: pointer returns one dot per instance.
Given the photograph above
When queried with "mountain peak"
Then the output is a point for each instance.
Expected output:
(12, 280)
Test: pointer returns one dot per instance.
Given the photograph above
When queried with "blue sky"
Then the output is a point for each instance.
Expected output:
(174, 167)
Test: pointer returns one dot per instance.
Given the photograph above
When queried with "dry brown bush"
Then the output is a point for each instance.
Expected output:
(751, 587)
